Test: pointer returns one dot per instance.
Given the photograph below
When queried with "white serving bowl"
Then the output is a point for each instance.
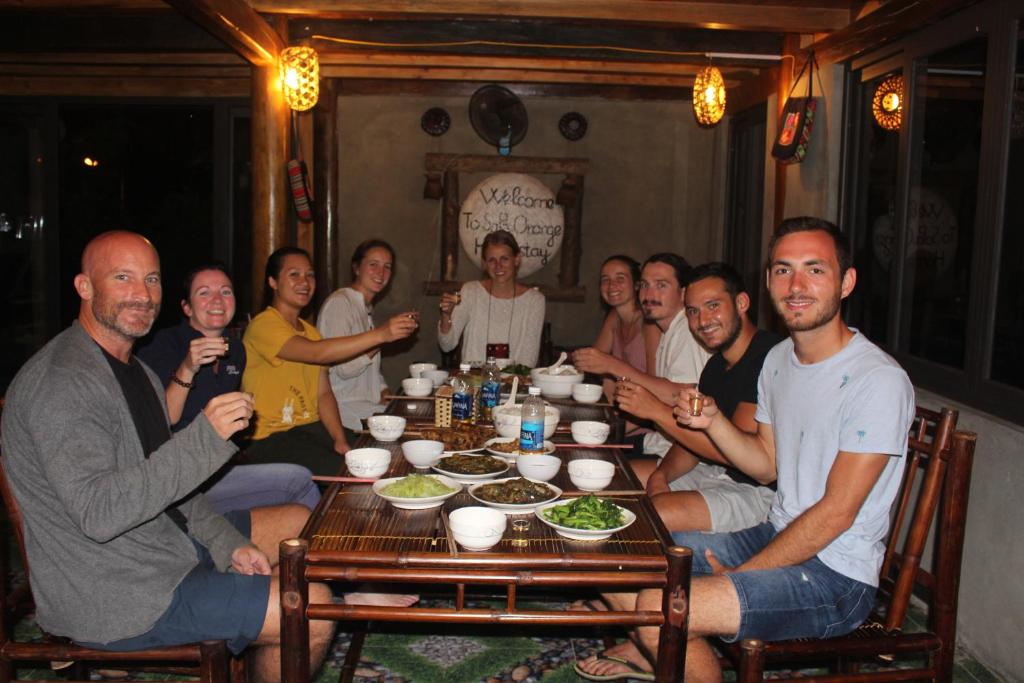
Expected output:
(588, 474)
(436, 376)
(386, 427)
(368, 463)
(628, 517)
(587, 393)
(590, 432)
(559, 385)
(416, 369)
(508, 420)
(538, 467)
(422, 453)
(417, 386)
(476, 527)
(417, 503)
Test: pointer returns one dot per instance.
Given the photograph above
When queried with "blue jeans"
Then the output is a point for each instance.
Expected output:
(243, 487)
(808, 600)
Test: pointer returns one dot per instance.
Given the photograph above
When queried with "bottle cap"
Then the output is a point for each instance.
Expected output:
(533, 391)
(464, 367)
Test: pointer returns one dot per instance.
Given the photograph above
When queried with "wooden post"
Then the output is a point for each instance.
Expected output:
(294, 623)
(325, 190)
(572, 242)
(751, 661)
(269, 181)
(675, 606)
(450, 227)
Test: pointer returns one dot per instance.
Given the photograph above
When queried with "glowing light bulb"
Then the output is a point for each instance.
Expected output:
(291, 78)
(891, 102)
(90, 162)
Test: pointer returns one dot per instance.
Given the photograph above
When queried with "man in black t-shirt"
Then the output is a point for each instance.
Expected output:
(691, 488)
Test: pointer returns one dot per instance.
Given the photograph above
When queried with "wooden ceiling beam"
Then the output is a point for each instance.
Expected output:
(84, 5)
(889, 22)
(87, 86)
(139, 58)
(434, 60)
(508, 76)
(780, 16)
(238, 25)
(377, 87)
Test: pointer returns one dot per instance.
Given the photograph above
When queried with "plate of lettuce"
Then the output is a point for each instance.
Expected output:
(417, 491)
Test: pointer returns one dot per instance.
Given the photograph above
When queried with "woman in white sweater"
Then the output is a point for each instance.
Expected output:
(358, 384)
(496, 316)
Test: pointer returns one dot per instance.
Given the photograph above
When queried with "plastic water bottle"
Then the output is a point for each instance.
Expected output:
(531, 434)
(490, 389)
(464, 397)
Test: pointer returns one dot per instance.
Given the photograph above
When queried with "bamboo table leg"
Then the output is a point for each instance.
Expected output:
(675, 606)
(294, 623)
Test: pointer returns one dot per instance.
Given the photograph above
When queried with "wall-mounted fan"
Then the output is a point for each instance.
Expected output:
(498, 117)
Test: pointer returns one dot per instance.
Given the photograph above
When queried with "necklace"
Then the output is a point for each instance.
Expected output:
(629, 329)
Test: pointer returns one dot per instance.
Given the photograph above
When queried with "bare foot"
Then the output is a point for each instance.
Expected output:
(623, 658)
(591, 605)
(381, 599)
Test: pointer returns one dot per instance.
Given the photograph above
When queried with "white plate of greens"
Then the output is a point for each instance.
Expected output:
(587, 518)
(415, 492)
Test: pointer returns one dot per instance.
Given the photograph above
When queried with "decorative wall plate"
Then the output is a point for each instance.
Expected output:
(573, 126)
(435, 121)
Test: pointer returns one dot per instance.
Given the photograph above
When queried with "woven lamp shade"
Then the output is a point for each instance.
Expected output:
(887, 104)
(300, 77)
(709, 96)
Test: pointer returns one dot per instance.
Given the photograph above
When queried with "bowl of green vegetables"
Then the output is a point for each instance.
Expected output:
(417, 491)
(587, 518)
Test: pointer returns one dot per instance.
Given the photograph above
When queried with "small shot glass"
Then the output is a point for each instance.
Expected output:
(696, 405)
(520, 529)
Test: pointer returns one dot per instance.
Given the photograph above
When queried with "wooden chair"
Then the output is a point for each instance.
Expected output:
(209, 660)
(935, 487)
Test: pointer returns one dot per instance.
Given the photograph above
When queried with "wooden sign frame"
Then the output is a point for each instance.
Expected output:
(442, 171)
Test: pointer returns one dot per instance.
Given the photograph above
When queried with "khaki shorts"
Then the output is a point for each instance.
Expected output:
(734, 506)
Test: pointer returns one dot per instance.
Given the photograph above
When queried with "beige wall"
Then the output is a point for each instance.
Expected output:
(654, 184)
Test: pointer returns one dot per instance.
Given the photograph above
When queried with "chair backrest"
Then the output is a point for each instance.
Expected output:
(13, 514)
(926, 484)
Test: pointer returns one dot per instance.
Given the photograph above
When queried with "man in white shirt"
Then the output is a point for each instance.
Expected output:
(679, 359)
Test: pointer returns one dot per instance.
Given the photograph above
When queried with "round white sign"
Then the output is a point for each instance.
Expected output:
(520, 204)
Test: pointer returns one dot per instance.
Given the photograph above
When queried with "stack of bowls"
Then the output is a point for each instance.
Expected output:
(477, 528)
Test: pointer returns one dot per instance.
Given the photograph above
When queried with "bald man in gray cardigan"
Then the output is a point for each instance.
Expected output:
(121, 555)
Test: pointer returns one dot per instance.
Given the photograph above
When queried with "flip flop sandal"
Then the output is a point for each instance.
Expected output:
(635, 673)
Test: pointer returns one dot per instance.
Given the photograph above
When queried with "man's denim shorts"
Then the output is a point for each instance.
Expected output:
(208, 605)
(807, 600)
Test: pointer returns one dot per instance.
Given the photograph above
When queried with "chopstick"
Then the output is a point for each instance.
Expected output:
(394, 397)
(448, 533)
(344, 480)
(600, 445)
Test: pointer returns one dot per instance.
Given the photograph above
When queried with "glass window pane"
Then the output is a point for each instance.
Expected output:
(943, 194)
(1008, 343)
(875, 234)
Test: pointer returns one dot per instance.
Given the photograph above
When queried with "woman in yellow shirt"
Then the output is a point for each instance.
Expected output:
(297, 416)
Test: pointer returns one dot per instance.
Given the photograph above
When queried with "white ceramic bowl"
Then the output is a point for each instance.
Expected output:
(559, 385)
(416, 369)
(417, 386)
(422, 453)
(476, 527)
(587, 393)
(588, 474)
(386, 427)
(538, 467)
(417, 503)
(368, 463)
(508, 420)
(590, 432)
(436, 376)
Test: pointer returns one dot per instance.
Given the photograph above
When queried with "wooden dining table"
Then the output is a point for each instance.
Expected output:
(355, 536)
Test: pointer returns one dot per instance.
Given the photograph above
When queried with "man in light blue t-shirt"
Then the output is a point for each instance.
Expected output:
(833, 414)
